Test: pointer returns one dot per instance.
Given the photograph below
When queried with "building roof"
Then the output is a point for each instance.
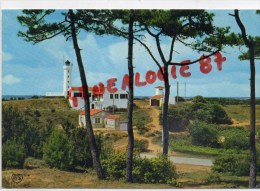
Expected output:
(157, 97)
(112, 117)
(92, 112)
(159, 87)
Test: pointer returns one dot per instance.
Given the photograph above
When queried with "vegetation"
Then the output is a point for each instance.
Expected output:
(204, 134)
(13, 153)
(17, 127)
(39, 29)
(232, 165)
(233, 141)
(141, 145)
(156, 170)
(141, 117)
(180, 116)
(253, 45)
(57, 151)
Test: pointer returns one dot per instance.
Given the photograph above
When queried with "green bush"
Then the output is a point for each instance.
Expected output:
(212, 113)
(178, 118)
(214, 178)
(219, 115)
(155, 170)
(16, 126)
(140, 145)
(203, 115)
(115, 167)
(198, 99)
(80, 147)
(204, 134)
(232, 165)
(57, 151)
(13, 154)
(236, 139)
(13, 123)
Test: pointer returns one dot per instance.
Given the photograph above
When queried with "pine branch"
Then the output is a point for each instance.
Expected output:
(193, 62)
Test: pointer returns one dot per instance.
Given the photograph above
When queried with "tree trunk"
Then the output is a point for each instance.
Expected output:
(92, 141)
(165, 112)
(130, 104)
(251, 47)
(252, 178)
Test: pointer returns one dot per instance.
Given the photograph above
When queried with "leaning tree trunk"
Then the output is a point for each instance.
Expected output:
(251, 46)
(252, 179)
(130, 104)
(165, 112)
(92, 141)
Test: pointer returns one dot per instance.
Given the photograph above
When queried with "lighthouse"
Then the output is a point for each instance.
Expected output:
(67, 67)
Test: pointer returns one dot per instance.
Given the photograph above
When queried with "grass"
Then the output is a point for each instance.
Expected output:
(241, 113)
(44, 111)
(53, 178)
(43, 104)
(142, 115)
(57, 110)
(184, 145)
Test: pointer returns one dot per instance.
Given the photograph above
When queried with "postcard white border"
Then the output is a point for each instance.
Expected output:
(131, 4)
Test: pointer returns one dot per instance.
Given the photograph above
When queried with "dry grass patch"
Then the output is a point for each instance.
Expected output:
(53, 178)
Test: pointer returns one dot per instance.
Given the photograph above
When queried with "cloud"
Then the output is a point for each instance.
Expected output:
(7, 56)
(10, 79)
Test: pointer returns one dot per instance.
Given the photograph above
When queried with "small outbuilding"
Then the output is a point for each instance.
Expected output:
(112, 122)
(97, 117)
(157, 99)
(101, 119)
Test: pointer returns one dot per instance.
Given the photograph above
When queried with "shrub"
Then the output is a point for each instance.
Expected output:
(230, 164)
(33, 141)
(111, 108)
(141, 128)
(80, 146)
(204, 134)
(155, 170)
(13, 123)
(37, 113)
(198, 99)
(178, 118)
(219, 115)
(15, 127)
(180, 99)
(214, 178)
(203, 115)
(115, 166)
(236, 139)
(13, 154)
(140, 119)
(212, 113)
(57, 151)
(140, 145)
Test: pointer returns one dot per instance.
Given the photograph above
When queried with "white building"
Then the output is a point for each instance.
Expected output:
(102, 119)
(117, 100)
(157, 99)
(67, 67)
(75, 94)
(67, 78)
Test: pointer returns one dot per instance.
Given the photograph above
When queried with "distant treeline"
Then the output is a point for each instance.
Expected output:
(230, 101)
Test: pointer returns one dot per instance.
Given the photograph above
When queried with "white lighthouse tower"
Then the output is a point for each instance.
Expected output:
(67, 67)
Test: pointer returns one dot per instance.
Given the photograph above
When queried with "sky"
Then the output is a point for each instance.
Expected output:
(29, 69)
